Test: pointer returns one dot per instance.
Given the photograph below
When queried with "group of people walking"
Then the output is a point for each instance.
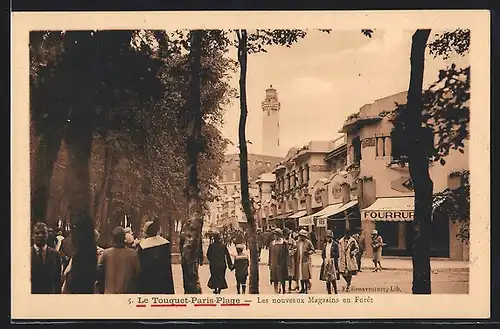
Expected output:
(80, 266)
(77, 265)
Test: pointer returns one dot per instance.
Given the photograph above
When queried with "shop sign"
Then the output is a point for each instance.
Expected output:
(384, 215)
(337, 191)
(306, 221)
(318, 195)
(321, 222)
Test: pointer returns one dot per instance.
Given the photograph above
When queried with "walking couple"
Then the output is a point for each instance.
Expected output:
(339, 258)
(290, 260)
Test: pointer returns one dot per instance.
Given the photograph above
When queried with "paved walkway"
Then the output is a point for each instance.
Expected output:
(388, 263)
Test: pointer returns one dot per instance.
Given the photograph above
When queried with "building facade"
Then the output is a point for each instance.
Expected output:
(386, 196)
(360, 181)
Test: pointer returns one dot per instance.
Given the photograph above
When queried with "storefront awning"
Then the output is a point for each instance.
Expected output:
(390, 209)
(337, 210)
(298, 214)
(327, 211)
(282, 216)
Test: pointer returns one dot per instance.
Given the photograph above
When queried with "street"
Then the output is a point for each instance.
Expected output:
(442, 282)
(392, 281)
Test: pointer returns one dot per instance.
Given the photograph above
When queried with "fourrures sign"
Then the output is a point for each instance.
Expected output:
(386, 215)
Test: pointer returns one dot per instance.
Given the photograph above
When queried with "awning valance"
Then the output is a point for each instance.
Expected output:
(306, 221)
(298, 214)
(337, 210)
(390, 209)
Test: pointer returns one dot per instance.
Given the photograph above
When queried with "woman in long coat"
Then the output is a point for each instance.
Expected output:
(278, 261)
(155, 257)
(220, 260)
(329, 268)
(292, 249)
(303, 261)
(348, 249)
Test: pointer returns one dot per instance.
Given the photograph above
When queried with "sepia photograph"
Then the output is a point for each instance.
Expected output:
(287, 163)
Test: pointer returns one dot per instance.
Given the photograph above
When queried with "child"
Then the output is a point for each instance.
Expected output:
(241, 269)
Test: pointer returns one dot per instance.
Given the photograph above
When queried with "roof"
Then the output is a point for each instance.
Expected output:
(370, 112)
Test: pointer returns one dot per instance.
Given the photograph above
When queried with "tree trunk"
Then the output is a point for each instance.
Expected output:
(100, 195)
(192, 229)
(79, 143)
(45, 158)
(418, 160)
(245, 195)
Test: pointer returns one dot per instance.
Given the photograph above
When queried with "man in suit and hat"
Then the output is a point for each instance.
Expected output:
(45, 263)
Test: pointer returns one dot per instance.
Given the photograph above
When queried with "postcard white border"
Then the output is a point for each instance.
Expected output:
(476, 304)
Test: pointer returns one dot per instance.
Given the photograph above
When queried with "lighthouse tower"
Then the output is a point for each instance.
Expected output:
(271, 123)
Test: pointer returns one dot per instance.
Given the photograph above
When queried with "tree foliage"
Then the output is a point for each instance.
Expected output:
(455, 203)
(131, 87)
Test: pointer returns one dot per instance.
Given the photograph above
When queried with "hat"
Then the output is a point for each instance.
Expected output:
(215, 232)
(286, 230)
(278, 231)
(240, 246)
(303, 233)
(329, 233)
(374, 232)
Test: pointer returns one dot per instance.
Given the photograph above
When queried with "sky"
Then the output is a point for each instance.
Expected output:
(324, 78)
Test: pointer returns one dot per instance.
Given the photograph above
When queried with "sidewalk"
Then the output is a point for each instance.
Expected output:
(389, 263)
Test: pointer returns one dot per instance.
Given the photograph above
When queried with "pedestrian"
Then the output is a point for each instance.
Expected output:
(303, 261)
(292, 249)
(278, 262)
(100, 250)
(360, 239)
(67, 250)
(59, 238)
(67, 274)
(377, 244)
(129, 238)
(348, 248)
(240, 267)
(220, 260)
(329, 268)
(314, 240)
(155, 259)
(51, 238)
(80, 274)
(119, 267)
(260, 241)
(45, 263)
